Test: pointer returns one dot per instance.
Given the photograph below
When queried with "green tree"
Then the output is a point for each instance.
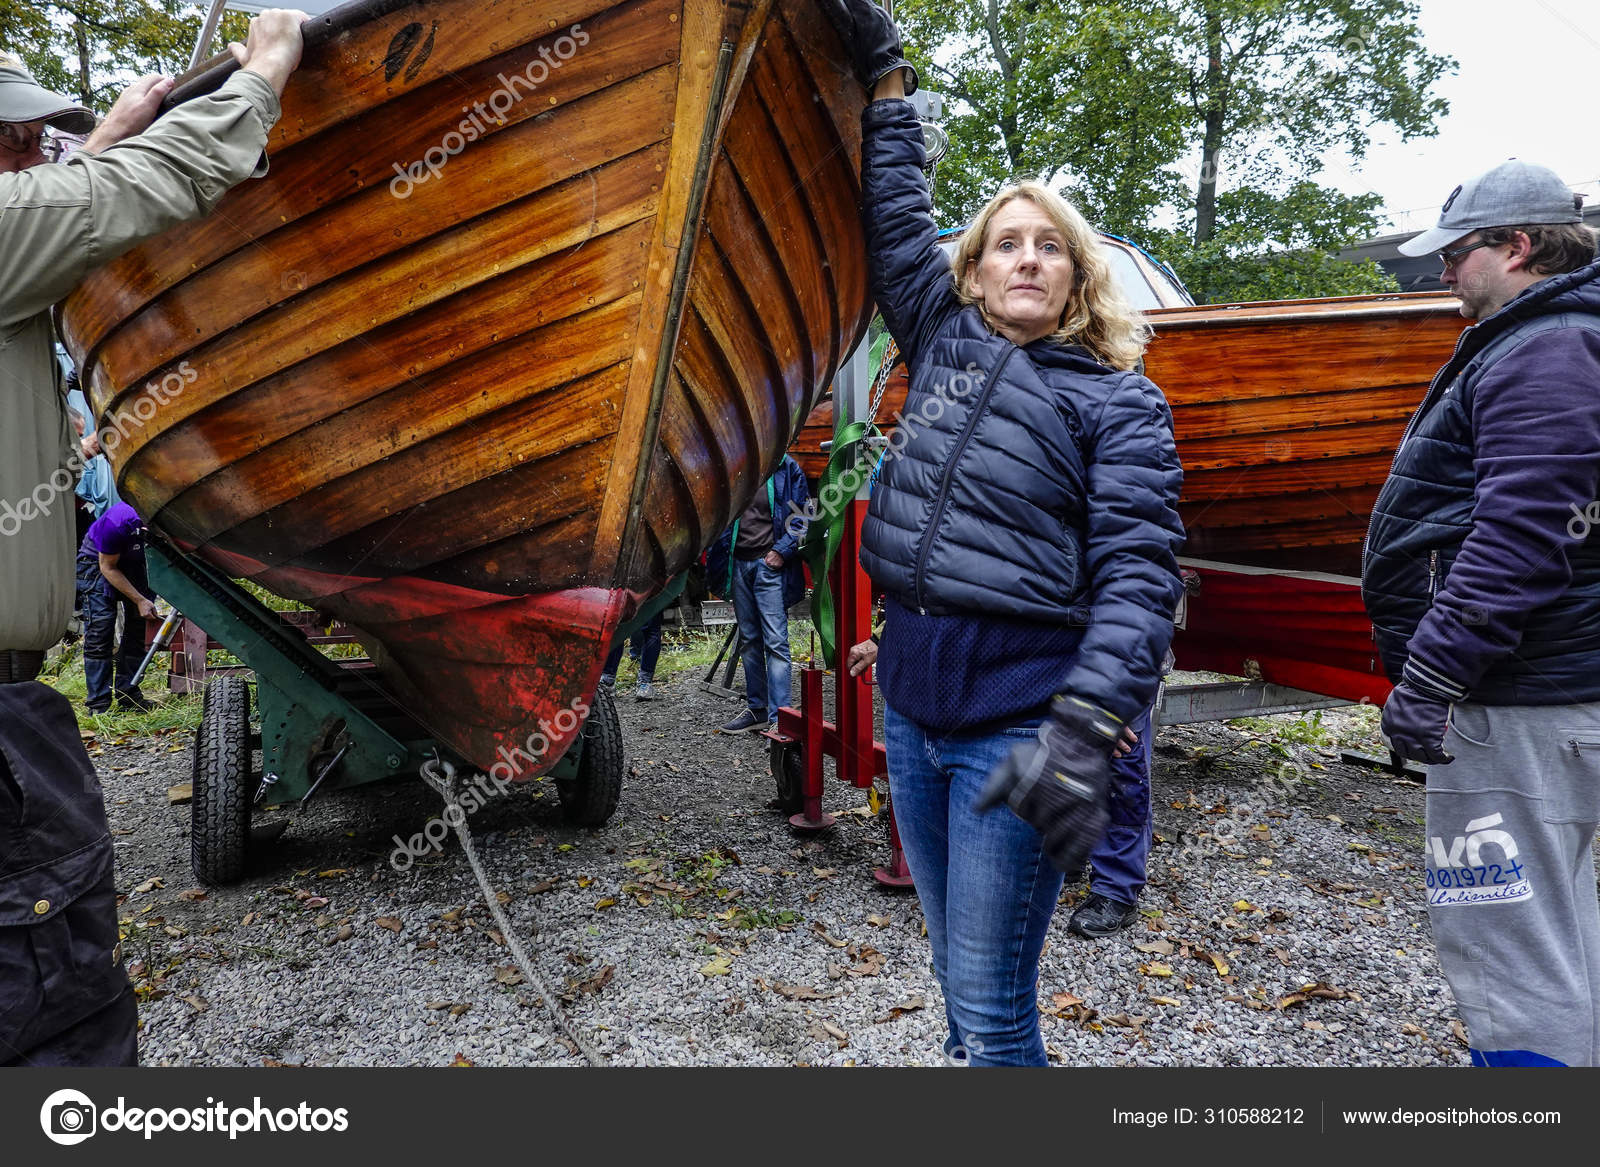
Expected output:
(1215, 114)
(92, 48)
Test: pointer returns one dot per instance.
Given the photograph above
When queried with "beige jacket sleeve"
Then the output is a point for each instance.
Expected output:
(57, 223)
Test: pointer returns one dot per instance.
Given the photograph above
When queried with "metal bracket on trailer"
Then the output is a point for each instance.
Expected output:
(1225, 700)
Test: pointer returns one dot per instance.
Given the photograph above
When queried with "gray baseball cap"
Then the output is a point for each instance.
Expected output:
(22, 99)
(1511, 194)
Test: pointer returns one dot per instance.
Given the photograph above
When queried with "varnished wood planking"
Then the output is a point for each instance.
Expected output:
(367, 146)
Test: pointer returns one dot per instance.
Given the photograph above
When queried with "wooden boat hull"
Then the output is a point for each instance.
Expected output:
(479, 395)
(1287, 415)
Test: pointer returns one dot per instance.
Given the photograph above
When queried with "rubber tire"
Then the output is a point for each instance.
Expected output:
(789, 774)
(591, 798)
(219, 833)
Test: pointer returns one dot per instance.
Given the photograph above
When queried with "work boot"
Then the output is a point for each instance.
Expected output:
(745, 722)
(1100, 916)
(131, 700)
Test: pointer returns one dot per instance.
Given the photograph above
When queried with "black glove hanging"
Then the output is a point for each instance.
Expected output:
(871, 39)
(1058, 784)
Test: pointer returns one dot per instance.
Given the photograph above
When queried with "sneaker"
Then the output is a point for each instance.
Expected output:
(1099, 916)
(745, 722)
(647, 692)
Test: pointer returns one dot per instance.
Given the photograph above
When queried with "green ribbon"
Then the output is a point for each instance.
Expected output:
(847, 470)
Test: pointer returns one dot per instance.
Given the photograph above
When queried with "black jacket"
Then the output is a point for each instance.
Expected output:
(60, 961)
(1482, 565)
(1027, 486)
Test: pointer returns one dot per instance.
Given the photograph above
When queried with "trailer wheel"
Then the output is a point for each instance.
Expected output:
(789, 773)
(219, 830)
(589, 799)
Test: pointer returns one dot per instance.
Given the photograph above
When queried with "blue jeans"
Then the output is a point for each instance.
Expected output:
(645, 649)
(987, 890)
(764, 628)
(1117, 864)
(108, 666)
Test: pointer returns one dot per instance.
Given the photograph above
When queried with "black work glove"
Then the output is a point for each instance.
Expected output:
(1415, 723)
(871, 39)
(1058, 784)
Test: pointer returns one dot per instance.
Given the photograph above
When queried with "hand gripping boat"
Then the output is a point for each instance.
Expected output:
(532, 299)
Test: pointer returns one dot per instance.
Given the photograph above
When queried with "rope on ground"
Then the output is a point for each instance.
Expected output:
(441, 775)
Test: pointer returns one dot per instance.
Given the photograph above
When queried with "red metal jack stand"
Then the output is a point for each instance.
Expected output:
(849, 740)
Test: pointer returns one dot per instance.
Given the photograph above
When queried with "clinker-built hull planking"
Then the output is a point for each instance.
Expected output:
(479, 395)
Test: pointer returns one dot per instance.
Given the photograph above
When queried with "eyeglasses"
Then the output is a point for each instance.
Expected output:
(19, 137)
(1446, 258)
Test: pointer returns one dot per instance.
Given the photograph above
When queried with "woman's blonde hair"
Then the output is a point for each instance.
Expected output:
(1096, 316)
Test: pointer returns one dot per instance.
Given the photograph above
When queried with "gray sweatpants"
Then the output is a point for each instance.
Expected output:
(1511, 880)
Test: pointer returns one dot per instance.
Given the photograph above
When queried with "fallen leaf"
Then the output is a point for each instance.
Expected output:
(1411, 1030)
(824, 872)
(543, 886)
(823, 933)
(175, 933)
(197, 1003)
(606, 902)
(717, 966)
(250, 918)
(834, 1031)
(1220, 964)
(1065, 1000)
(452, 915)
(879, 921)
(1155, 970)
(333, 873)
(437, 1005)
(390, 922)
(149, 885)
(460, 1007)
(1320, 990)
(461, 1061)
(1167, 1001)
(585, 880)
(1313, 1025)
(315, 902)
(1357, 847)
(1459, 1032)
(507, 974)
(1161, 947)
(1244, 906)
(179, 794)
(909, 1005)
(800, 992)
(193, 893)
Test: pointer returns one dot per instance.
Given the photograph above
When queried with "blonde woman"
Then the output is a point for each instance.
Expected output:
(1025, 538)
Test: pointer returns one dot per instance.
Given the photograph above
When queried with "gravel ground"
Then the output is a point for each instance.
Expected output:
(697, 928)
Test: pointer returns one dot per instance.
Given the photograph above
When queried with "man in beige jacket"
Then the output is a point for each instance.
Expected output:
(64, 997)
(131, 181)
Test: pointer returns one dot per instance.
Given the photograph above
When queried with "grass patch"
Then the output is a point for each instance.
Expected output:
(172, 711)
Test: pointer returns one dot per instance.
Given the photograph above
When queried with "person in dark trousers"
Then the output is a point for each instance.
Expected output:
(1025, 538)
(644, 646)
(112, 577)
(1482, 578)
(757, 565)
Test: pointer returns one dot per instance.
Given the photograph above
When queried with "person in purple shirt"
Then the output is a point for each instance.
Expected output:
(111, 576)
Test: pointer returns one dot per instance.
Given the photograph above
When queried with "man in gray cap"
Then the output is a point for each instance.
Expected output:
(1482, 578)
(64, 998)
(131, 181)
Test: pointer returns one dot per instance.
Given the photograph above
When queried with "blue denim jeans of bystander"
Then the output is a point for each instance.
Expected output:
(987, 890)
(764, 628)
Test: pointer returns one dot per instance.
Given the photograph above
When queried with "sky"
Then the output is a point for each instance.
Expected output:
(1525, 87)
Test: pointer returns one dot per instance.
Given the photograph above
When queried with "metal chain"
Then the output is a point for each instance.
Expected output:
(881, 385)
(445, 786)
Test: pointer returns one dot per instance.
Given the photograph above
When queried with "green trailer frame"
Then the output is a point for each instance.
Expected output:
(324, 727)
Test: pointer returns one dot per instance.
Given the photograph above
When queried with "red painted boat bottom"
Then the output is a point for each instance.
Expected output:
(1305, 630)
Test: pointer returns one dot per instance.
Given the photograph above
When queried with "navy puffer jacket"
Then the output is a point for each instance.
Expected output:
(1025, 528)
(1482, 565)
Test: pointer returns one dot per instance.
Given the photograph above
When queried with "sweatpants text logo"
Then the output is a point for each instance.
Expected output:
(1459, 875)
